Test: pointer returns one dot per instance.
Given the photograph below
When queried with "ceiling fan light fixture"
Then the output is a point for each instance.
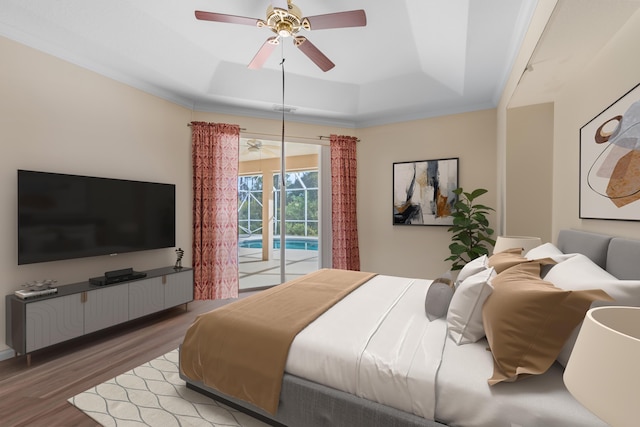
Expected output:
(284, 29)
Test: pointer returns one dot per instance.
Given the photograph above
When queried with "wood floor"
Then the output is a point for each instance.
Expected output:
(37, 395)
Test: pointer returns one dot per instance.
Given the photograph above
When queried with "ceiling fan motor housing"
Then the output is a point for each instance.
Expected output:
(285, 23)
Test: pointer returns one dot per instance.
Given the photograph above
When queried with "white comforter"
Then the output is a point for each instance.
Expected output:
(377, 343)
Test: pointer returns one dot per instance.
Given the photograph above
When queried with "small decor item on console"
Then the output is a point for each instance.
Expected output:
(37, 288)
(179, 254)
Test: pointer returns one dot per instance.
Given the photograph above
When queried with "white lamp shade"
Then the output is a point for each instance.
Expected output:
(509, 242)
(603, 372)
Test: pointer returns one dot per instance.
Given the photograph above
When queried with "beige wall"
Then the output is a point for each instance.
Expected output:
(71, 120)
(383, 247)
(418, 251)
(529, 169)
(544, 10)
(57, 117)
(613, 72)
(75, 121)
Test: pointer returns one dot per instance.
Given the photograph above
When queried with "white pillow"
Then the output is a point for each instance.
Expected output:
(545, 250)
(472, 267)
(464, 317)
(578, 273)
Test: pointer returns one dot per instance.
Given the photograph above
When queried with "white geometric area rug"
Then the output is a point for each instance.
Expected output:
(153, 394)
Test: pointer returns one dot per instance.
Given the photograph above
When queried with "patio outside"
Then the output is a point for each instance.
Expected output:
(259, 266)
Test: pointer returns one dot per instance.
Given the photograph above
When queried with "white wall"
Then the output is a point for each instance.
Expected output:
(613, 72)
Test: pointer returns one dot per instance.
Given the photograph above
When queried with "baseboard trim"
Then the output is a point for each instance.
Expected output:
(7, 354)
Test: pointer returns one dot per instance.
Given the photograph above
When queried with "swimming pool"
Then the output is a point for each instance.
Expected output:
(303, 243)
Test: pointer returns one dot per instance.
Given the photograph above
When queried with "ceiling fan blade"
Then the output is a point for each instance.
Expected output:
(313, 53)
(353, 18)
(231, 19)
(263, 53)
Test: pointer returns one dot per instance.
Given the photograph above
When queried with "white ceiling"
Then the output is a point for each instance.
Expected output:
(414, 59)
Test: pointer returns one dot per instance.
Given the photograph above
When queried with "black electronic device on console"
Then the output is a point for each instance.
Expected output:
(118, 273)
(116, 276)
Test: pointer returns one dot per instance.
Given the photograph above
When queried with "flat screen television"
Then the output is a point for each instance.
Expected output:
(70, 216)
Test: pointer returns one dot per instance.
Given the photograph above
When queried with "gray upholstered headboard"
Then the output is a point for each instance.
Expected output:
(617, 255)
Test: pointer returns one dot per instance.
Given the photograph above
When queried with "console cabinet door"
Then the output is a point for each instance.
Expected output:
(178, 288)
(145, 297)
(53, 320)
(106, 307)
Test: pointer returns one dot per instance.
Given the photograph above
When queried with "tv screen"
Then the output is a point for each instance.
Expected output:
(70, 216)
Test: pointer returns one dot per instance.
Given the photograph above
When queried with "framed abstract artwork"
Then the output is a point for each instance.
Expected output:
(610, 161)
(423, 192)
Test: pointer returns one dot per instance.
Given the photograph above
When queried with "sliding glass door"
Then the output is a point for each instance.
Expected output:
(263, 260)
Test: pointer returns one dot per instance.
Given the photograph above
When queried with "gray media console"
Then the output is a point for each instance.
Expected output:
(82, 308)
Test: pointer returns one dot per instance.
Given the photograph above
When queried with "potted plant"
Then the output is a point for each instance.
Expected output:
(471, 231)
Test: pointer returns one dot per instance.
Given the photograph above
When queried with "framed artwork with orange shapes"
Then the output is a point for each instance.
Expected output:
(610, 161)
(423, 192)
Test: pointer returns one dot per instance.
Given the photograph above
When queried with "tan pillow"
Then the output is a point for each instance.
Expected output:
(528, 320)
(506, 259)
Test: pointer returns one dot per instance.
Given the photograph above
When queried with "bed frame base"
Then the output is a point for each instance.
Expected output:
(305, 403)
(236, 406)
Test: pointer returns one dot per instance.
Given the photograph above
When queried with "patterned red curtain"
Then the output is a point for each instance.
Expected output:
(215, 209)
(346, 254)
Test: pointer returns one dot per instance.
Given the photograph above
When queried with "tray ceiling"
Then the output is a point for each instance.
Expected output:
(414, 59)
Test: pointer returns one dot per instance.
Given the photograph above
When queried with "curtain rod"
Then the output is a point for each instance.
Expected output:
(319, 137)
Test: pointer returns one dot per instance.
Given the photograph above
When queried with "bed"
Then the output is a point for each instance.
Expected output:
(375, 359)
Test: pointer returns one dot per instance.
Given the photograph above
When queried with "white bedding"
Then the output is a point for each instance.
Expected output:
(377, 343)
(465, 398)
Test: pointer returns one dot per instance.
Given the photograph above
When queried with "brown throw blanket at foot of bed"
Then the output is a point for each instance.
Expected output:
(241, 349)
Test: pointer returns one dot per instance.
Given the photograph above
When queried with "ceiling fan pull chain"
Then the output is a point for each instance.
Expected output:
(282, 160)
(283, 187)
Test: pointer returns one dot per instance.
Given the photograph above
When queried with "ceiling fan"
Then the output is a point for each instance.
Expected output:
(258, 147)
(285, 20)
(254, 145)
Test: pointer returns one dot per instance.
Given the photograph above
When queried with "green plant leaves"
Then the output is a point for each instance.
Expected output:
(471, 231)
